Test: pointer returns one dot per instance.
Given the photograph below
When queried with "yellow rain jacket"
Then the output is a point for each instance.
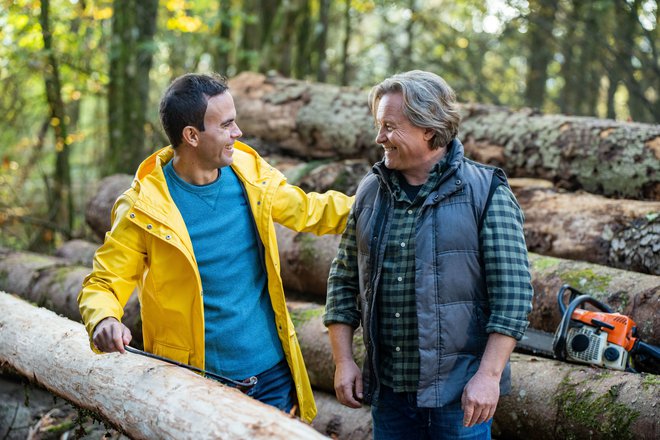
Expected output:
(149, 246)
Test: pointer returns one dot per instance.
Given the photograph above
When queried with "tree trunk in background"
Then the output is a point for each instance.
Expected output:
(321, 121)
(142, 397)
(540, 23)
(60, 200)
(345, 59)
(249, 47)
(322, 39)
(568, 72)
(131, 54)
(224, 46)
(627, 31)
(302, 64)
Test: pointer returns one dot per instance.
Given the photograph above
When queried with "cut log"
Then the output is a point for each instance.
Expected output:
(139, 396)
(78, 251)
(580, 226)
(307, 120)
(97, 212)
(549, 399)
(320, 121)
(54, 283)
(554, 400)
(341, 422)
(637, 295)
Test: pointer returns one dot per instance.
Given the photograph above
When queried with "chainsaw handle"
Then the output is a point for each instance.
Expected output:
(577, 294)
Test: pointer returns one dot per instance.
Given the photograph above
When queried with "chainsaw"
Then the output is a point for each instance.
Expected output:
(603, 337)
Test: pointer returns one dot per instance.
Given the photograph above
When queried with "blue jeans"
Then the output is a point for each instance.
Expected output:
(275, 387)
(396, 416)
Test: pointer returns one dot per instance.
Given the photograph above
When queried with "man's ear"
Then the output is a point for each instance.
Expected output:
(429, 134)
(190, 135)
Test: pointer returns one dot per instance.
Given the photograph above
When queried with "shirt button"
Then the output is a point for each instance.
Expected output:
(167, 237)
(149, 226)
(132, 215)
(398, 349)
(397, 314)
(410, 211)
(399, 279)
(403, 244)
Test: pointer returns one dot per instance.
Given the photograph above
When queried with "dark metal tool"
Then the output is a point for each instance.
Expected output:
(240, 384)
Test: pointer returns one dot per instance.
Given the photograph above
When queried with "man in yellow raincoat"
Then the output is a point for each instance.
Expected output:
(195, 232)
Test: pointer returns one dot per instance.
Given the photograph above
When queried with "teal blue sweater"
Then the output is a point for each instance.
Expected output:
(241, 339)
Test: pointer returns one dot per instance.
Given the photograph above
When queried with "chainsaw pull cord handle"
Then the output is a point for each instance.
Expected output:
(559, 346)
(241, 384)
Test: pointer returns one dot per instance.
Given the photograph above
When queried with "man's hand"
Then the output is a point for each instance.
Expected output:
(479, 399)
(348, 384)
(111, 335)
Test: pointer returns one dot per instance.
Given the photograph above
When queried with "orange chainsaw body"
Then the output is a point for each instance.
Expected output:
(621, 334)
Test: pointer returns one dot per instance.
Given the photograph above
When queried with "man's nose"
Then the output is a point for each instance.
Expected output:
(237, 132)
(380, 137)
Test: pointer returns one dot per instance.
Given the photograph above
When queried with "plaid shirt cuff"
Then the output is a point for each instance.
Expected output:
(507, 326)
(336, 318)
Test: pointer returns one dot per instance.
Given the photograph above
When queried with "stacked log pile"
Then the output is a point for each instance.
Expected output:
(606, 247)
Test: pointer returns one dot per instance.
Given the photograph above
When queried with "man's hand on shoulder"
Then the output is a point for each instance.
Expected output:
(111, 335)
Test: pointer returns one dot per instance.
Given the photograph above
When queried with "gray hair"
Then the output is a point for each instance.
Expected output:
(428, 102)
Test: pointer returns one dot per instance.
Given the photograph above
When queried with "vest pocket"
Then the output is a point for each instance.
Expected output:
(179, 354)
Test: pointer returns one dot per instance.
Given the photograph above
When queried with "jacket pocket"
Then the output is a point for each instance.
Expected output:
(179, 354)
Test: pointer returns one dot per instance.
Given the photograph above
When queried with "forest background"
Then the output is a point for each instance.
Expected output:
(80, 80)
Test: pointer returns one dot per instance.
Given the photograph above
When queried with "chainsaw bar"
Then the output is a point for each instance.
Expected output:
(536, 342)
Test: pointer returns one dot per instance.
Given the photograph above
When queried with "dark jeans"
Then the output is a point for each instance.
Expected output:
(396, 416)
(275, 387)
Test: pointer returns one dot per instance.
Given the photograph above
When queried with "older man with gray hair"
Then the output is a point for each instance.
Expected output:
(433, 265)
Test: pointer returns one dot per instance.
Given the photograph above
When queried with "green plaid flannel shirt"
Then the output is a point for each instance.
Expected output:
(506, 268)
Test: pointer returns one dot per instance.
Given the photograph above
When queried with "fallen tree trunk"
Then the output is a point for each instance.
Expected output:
(39, 278)
(320, 121)
(554, 400)
(549, 399)
(54, 283)
(341, 422)
(142, 397)
(580, 226)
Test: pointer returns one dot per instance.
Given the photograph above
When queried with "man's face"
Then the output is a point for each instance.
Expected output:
(216, 142)
(406, 146)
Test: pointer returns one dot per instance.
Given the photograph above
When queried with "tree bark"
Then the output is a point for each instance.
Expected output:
(318, 121)
(139, 396)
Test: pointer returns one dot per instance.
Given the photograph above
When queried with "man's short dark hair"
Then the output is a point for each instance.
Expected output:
(184, 103)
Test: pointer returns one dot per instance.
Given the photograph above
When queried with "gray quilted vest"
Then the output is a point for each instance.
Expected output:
(450, 289)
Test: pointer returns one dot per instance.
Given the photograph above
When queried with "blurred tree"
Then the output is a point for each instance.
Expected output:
(131, 54)
(60, 200)
(541, 21)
